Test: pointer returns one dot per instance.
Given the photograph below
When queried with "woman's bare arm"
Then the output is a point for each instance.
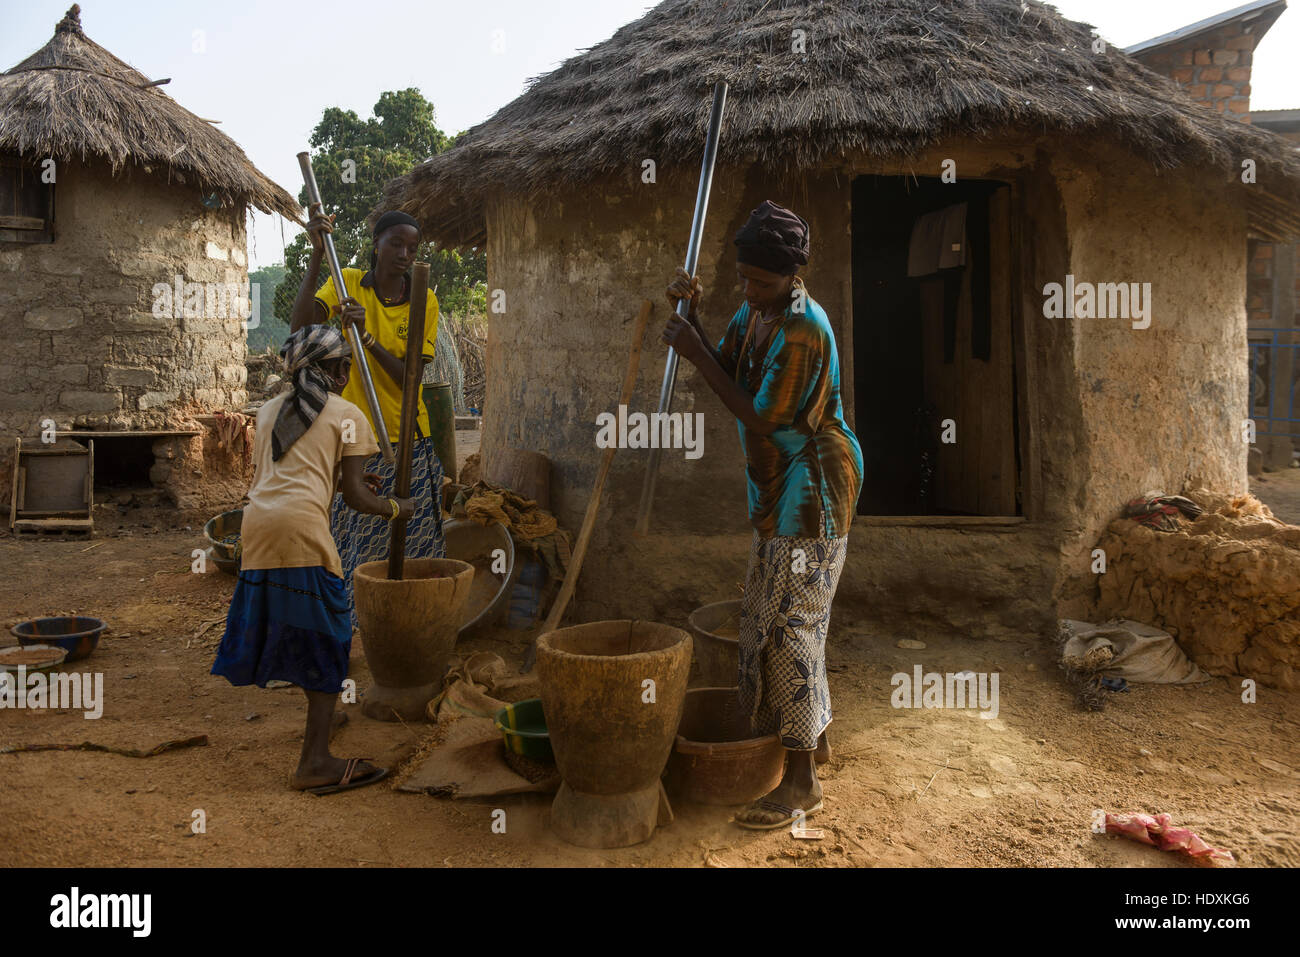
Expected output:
(359, 497)
(306, 310)
(685, 338)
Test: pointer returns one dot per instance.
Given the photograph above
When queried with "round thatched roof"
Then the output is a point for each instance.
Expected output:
(889, 77)
(73, 99)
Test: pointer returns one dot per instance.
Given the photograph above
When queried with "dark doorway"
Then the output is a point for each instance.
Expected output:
(933, 360)
(121, 462)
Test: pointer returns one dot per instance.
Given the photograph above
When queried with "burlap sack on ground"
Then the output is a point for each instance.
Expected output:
(1127, 649)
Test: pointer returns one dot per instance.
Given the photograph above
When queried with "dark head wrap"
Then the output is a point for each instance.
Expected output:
(774, 238)
(302, 355)
(394, 217)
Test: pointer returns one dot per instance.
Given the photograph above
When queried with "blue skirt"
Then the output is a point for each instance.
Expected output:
(287, 624)
(365, 538)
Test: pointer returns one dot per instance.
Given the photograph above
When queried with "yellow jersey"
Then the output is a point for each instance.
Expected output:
(388, 325)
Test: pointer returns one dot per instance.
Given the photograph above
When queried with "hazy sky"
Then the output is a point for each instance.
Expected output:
(269, 67)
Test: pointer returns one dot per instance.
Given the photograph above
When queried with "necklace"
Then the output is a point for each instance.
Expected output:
(390, 300)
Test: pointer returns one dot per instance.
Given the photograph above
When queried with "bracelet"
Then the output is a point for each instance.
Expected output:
(367, 339)
(397, 508)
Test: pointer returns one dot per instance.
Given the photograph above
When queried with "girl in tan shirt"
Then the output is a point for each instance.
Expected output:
(288, 619)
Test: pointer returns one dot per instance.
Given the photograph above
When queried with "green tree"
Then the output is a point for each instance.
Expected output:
(353, 159)
(271, 330)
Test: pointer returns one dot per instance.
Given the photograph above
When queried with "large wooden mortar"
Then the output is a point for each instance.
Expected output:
(611, 731)
(408, 629)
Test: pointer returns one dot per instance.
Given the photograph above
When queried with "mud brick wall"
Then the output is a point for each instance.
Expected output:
(84, 347)
(1226, 586)
(576, 267)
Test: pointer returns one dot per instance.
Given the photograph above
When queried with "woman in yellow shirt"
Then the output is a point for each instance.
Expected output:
(378, 302)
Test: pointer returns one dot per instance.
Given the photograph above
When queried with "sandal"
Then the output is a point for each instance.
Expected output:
(347, 782)
(788, 812)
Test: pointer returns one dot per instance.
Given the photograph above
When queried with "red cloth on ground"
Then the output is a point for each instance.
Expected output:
(1159, 831)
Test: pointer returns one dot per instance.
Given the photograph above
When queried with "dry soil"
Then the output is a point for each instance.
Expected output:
(905, 787)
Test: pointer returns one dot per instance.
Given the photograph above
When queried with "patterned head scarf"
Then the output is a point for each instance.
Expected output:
(302, 355)
(774, 238)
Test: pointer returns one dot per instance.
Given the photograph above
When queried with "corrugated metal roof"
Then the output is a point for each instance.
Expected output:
(1247, 12)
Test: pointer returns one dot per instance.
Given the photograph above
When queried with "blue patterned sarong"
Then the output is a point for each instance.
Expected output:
(287, 624)
(365, 538)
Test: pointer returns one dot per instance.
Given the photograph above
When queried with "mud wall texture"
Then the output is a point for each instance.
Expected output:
(84, 346)
(211, 471)
(1162, 407)
(574, 269)
(1226, 586)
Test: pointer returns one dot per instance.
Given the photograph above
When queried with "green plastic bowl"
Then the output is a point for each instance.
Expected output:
(523, 725)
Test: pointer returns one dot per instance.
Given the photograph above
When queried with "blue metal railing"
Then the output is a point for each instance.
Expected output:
(1272, 403)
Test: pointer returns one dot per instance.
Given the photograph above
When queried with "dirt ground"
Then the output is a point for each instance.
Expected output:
(906, 787)
(1280, 491)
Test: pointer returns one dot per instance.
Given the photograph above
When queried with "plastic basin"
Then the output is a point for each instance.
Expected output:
(76, 635)
(468, 541)
(226, 556)
(523, 725)
(716, 759)
(718, 655)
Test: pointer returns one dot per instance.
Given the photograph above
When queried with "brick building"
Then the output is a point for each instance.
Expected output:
(1212, 60)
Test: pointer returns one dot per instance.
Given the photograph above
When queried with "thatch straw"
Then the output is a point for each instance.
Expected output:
(72, 99)
(885, 77)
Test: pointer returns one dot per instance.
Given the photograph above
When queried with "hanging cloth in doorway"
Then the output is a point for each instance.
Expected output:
(938, 241)
(943, 244)
(937, 253)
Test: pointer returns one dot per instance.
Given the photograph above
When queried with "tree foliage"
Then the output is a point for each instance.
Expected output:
(270, 330)
(353, 159)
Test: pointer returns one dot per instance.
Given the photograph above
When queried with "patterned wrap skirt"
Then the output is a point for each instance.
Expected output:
(287, 624)
(365, 538)
(784, 617)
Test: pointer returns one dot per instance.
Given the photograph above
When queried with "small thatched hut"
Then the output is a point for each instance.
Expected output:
(1077, 166)
(111, 194)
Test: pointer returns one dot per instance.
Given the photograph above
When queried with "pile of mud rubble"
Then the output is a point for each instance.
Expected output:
(1226, 586)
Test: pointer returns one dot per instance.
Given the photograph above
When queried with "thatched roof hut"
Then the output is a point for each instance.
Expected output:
(72, 99)
(127, 297)
(1001, 433)
(886, 77)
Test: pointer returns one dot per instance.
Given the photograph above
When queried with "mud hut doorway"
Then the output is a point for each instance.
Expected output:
(933, 359)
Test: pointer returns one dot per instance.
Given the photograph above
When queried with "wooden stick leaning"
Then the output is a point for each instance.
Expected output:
(593, 504)
(410, 411)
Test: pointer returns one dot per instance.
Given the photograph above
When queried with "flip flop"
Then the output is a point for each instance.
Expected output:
(346, 782)
(780, 809)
